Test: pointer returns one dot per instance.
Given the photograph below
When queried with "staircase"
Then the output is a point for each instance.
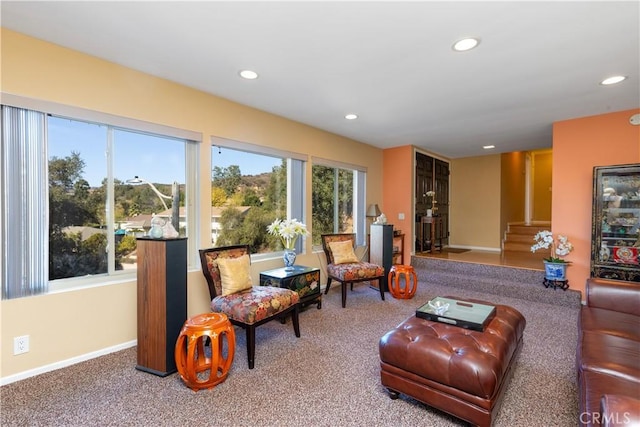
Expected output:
(519, 238)
(521, 283)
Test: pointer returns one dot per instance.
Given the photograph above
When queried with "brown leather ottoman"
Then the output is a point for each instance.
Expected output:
(456, 370)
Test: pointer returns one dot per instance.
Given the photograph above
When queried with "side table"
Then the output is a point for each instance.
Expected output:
(304, 280)
(550, 283)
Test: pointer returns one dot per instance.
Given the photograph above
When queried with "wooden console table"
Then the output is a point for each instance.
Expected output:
(435, 225)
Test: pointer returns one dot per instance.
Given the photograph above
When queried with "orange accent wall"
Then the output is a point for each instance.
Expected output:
(397, 190)
(578, 146)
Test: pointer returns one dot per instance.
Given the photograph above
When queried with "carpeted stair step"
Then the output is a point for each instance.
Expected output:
(525, 284)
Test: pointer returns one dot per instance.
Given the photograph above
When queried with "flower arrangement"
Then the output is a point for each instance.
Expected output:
(557, 247)
(432, 194)
(288, 231)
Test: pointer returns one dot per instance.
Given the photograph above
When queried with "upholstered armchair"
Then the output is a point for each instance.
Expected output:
(226, 270)
(345, 267)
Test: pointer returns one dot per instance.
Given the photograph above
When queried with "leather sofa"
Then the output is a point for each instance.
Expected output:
(608, 354)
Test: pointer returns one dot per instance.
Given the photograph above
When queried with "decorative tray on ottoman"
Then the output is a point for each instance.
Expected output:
(460, 313)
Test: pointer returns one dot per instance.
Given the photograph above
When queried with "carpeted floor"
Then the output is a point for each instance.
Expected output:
(327, 377)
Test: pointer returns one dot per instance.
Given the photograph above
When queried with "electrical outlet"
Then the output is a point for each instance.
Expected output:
(20, 344)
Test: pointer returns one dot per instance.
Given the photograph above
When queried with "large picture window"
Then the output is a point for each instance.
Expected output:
(90, 165)
(102, 185)
(251, 186)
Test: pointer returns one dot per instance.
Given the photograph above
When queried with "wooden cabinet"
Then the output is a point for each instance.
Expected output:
(398, 249)
(381, 249)
(615, 242)
(162, 302)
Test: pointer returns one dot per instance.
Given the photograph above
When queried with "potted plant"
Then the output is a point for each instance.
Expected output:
(288, 231)
(555, 267)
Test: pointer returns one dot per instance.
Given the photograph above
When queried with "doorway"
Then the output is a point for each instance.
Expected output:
(432, 175)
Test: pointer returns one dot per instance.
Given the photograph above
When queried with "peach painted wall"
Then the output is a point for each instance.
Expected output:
(397, 189)
(578, 146)
(39, 70)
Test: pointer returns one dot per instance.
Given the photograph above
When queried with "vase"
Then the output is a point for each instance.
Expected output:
(555, 270)
(605, 253)
(289, 258)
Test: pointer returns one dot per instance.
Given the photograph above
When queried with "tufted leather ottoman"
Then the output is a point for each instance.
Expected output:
(456, 370)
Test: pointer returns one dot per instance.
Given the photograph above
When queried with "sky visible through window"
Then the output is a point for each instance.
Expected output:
(155, 159)
(249, 163)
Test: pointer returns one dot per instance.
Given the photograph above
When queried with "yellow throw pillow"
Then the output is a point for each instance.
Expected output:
(343, 252)
(235, 274)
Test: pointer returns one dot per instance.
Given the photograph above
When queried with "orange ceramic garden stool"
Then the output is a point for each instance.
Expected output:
(192, 361)
(406, 274)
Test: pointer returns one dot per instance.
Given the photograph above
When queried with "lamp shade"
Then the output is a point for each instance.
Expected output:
(373, 211)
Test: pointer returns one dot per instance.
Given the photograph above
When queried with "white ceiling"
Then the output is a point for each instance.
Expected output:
(389, 62)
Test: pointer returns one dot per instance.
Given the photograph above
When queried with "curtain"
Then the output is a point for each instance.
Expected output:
(24, 220)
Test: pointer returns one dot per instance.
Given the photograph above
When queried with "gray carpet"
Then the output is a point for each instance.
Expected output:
(327, 377)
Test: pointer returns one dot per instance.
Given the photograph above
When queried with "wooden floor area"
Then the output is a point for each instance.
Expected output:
(518, 260)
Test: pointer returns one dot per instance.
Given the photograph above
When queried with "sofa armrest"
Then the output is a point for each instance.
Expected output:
(615, 295)
(617, 410)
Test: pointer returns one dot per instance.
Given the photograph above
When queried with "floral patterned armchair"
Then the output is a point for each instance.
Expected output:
(250, 307)
(349, 269)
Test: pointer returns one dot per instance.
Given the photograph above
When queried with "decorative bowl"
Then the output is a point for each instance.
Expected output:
(439, 307)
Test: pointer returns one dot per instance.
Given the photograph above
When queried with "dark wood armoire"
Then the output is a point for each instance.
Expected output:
(431, 175)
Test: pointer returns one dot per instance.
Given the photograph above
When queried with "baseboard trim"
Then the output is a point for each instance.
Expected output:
(65, 363)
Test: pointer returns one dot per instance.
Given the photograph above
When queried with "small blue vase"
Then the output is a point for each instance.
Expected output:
(289, 258)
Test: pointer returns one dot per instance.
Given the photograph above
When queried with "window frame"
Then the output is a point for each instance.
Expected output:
(192, 141)
(359, 195)
(296, 182)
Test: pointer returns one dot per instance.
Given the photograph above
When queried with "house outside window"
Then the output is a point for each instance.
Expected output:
(93, 208)
(92, 164)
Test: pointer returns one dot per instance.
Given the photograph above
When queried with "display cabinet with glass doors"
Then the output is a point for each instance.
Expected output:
(615, 242)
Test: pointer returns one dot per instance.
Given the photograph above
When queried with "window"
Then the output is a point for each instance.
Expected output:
(337, 201)
(91, 164)
(103, 183)
(250, 187)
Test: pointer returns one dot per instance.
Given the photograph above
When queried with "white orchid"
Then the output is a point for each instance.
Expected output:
(544, 240)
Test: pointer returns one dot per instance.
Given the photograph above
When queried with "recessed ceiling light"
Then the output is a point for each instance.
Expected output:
(488, 147)
(248, 74)
(465, 44)
(351, 116)
(613, 80)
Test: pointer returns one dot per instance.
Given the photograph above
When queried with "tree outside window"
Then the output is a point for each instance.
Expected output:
(82, 227)
(332, 201)
(248, 191)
